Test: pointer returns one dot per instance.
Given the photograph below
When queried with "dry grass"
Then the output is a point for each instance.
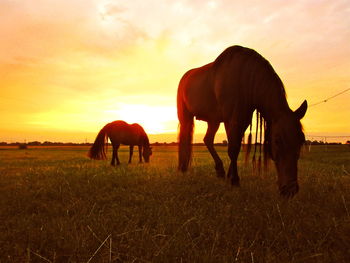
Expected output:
(58, 206)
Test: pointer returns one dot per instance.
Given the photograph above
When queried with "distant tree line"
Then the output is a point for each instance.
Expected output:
(46, 143)
(308, 142)
(223, 143)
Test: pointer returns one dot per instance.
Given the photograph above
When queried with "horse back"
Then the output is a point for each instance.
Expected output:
(234, 83)
(121, 132)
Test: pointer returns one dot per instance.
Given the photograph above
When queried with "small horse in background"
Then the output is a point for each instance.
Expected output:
(120, 132)
(228, 90)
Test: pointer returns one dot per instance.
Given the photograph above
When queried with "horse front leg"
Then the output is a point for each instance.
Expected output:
(115, 155)
(209, 142)
(140, 153)
(131, 152)
(234, 136)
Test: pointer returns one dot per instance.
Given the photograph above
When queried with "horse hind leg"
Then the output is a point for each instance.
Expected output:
(131, 152)
(113, 158)
(209, 142)
(140, 154)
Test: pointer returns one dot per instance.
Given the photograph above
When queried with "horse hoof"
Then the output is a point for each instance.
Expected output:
(235, 183)
(220, 173)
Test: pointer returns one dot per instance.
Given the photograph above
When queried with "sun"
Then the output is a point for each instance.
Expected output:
(154, 119)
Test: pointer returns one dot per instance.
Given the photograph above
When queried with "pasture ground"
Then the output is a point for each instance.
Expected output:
(56, 205)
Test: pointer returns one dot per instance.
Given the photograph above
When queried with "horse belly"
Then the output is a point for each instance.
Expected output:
(199, 96)
(205, 109)
(130, 140)
(124, 138)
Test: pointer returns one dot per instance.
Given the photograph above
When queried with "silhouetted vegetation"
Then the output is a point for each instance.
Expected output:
(45, 143)
(22, 146)
(308, 142)
(48, 143)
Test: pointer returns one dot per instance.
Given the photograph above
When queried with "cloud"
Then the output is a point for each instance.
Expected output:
(65, 53)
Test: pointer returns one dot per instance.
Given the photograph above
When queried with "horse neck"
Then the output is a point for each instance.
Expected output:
(144, 140)
(272, 102)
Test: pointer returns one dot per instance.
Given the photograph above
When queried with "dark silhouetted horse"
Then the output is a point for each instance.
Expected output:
(228, 90)
(120, 132)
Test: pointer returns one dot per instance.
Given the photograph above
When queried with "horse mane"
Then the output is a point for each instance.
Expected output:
(142, 133)
(145, 139)
(257, 65)
(228, 54)
(254, 61)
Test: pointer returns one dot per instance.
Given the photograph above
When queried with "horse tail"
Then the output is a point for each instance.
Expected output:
(261, 142)
(266, 146)
(249, 144)
(186, 134)
(256, 140)
(98, 149)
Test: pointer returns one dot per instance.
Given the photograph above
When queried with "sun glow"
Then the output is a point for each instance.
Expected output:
(154, 119)
(69, 67)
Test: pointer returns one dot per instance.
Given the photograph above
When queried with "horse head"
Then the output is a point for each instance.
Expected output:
(147, 152)
(286, 139)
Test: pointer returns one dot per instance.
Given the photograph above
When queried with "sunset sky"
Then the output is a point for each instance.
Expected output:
(69, 67)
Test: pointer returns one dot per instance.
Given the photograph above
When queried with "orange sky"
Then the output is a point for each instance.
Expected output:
(69, 67)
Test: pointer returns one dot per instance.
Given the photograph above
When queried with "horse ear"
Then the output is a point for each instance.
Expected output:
(300, 112)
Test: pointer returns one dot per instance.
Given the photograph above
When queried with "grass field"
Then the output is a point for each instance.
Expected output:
(56, 205)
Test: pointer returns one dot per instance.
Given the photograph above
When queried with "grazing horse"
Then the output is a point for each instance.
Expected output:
(228, 90)
(120, 132)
